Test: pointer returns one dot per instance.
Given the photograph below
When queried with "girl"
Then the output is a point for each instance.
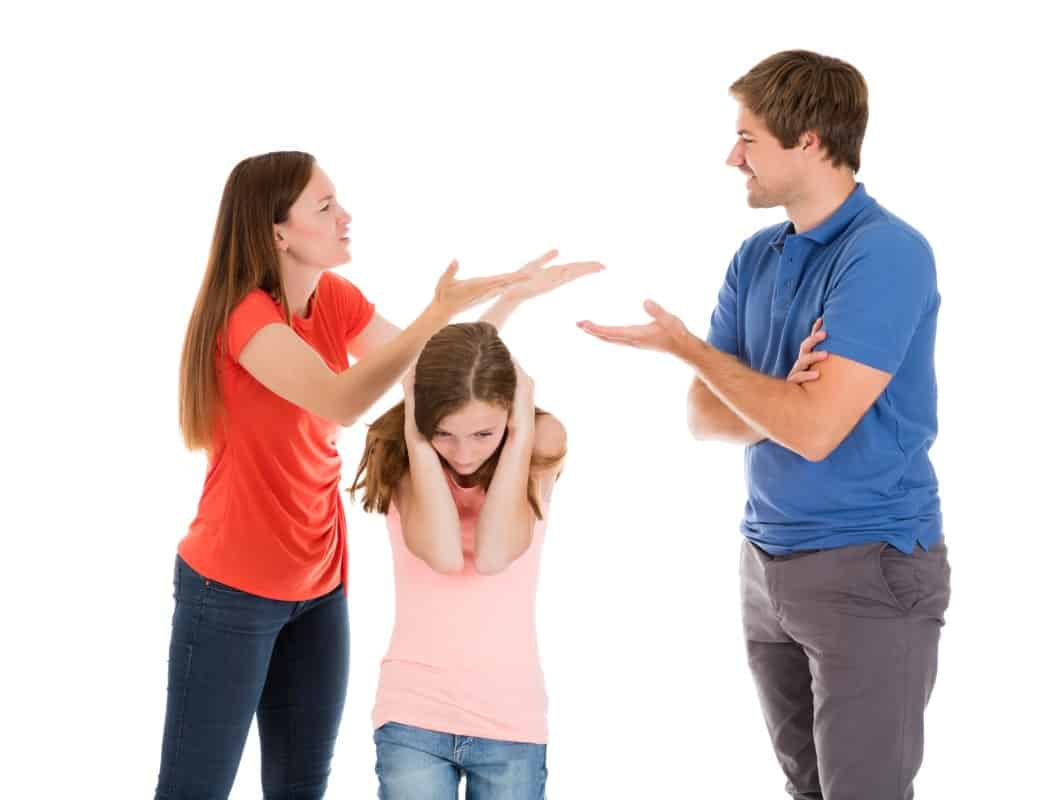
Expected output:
(464, 469)
(260, 623)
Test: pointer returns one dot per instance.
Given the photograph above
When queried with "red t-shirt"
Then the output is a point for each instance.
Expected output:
(270, 519)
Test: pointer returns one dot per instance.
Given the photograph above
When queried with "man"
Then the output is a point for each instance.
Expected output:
(845, 578)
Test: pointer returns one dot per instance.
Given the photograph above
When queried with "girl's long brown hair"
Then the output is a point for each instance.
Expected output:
(462, 362)
(258, 195)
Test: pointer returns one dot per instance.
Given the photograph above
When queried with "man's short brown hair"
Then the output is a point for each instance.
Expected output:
(797, 91)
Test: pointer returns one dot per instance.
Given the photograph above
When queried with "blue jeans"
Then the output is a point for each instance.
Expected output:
(234, 655)
(416, 764)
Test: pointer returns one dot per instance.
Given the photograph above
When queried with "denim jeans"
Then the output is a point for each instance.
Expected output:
(234, 655)
(417, 764)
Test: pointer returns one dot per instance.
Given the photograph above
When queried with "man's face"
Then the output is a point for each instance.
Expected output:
(773, 173)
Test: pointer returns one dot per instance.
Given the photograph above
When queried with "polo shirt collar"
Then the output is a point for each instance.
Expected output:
(828, 230)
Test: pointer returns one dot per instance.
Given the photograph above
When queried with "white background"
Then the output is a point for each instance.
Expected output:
(490, 133)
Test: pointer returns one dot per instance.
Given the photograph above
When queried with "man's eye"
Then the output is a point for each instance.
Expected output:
(485, 434)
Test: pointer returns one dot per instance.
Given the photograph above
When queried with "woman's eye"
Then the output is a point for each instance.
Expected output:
(326, 207)
(484, 435)
(440, 434)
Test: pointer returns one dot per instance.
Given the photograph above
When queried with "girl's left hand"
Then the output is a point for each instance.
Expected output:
(522, 414)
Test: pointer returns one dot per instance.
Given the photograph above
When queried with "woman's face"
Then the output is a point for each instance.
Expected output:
(469, 436)
(315, 233)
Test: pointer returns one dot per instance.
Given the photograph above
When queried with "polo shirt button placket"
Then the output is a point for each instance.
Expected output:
(784, 294)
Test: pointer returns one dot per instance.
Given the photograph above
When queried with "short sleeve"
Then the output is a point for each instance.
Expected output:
(873, 310)
(354, 309)
(251, 314)
(723, 325)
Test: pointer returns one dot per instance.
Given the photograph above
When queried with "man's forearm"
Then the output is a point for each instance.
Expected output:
(771, 407)
(709, 418)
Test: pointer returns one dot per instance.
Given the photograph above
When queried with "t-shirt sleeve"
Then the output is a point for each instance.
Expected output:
(723, 325)
(880, 298)
(251, 314)
(354, 309)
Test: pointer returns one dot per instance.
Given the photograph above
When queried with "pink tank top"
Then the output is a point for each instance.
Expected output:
(464, 657)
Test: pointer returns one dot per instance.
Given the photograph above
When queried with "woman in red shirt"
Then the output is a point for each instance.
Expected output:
(260, 624)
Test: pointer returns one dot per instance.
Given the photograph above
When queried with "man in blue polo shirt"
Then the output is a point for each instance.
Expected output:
(845, 577)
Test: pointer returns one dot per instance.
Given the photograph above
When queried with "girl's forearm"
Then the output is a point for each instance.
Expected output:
(504, 527)
(430, 522)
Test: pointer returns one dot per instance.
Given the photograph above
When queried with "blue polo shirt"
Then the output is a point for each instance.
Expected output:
(871, 277)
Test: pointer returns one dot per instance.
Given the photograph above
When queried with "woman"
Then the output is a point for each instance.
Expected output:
(260, 622)
(464, 469)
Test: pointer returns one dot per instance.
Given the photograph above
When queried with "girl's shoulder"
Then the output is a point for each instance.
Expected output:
(550, 437)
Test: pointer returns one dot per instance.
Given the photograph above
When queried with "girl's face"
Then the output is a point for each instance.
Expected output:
(469, 436)
(315, 233)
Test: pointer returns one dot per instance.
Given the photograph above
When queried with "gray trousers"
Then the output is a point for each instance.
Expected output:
(843, 648)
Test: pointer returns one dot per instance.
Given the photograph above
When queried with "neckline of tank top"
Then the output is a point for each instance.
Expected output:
(456, 485)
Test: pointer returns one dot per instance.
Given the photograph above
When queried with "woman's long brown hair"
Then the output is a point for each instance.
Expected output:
(258, 195)
(461, 362)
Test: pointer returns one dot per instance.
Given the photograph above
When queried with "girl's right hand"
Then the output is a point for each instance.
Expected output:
(453, 296)
(413, 435)
(407, 385)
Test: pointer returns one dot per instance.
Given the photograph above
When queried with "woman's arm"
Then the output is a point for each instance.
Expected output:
(373, 336)
(282, 362)
(430, 524)
(506, 522)
(541, 279)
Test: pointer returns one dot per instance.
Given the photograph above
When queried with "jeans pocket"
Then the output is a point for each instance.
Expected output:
(197, 578)
(222, 588)
(899, 576)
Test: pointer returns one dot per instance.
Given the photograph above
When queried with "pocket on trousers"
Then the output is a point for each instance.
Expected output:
(222, 588)
(208, 583)
(900, 578)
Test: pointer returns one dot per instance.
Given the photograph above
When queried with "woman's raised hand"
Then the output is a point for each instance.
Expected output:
(543, 278)
(453, 296)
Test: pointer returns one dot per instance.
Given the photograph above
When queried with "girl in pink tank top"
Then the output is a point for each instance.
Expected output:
(463, 469)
